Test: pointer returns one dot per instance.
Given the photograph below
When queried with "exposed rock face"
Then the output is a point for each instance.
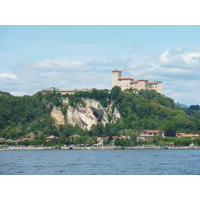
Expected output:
(86, 116)
(57, 114)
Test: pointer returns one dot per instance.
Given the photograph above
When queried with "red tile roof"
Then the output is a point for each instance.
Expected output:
(187, 135)
(2, 139)
(142, 80)
(153, 83)
(99, 139)
(151, 131)
(51, 137)
(122, 136)
(24, 139)
(127, 78)
(134, 81)
(116, 71)
(106, 138)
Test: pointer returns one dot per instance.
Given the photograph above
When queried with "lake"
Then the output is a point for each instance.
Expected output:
(100, 162)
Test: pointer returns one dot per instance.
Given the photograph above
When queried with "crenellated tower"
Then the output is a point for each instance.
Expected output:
(116, 74)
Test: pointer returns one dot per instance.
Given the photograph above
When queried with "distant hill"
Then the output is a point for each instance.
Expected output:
(182, 105)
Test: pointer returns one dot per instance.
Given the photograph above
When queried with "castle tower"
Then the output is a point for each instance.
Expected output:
(116, 74)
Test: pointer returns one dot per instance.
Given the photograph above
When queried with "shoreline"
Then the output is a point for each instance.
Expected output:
(97, 148)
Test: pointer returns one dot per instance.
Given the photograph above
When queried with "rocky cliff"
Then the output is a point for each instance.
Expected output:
(85, 116)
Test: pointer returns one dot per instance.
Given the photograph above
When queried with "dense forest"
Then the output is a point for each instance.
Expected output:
(143, 110)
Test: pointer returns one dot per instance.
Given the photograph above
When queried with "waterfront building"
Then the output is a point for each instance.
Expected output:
(146, 135)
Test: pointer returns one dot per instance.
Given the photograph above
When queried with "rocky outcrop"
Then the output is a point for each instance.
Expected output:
(58, 116)
(86, 116)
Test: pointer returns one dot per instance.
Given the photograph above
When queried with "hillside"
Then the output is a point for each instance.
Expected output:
(96, 113)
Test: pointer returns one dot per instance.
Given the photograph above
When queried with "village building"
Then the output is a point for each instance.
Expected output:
(51, 137)
(2, 139)
(23, 139)
(146, 135)
(127, 83)
(192, 136)
(99, 141)
(32, 136)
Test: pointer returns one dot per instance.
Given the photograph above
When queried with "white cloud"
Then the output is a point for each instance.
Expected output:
(178, 64)
(62, 74)
(58, 64)
(18, 93)
(176, 50)
(178, 70)
(115, 61)
(8, 76)
(197, 49)
(184, 91)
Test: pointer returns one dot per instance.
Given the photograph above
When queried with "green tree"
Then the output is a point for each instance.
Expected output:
(117, 142)
(115, 91)
(156, 139)
(170, 132)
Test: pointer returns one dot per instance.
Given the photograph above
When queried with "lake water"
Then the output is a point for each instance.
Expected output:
(100, 162)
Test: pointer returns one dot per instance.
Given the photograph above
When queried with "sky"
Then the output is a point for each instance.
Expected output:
(33, 58)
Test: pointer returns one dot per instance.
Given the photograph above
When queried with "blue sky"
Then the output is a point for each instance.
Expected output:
(68, 57)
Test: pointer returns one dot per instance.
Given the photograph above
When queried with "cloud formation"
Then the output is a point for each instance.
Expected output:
(8, 76)
(171, 63)
(29, 78)
(177, 69)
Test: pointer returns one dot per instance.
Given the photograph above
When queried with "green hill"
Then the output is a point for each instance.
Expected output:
(145, 110)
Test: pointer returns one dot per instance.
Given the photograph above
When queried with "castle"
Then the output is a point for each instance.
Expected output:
(126, 83)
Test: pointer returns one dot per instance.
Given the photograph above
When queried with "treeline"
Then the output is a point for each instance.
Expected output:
(143, 110)
(193, 110)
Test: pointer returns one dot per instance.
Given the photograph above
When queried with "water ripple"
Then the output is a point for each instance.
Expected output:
(112, 162)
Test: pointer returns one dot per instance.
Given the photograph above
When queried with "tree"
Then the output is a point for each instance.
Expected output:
(117, 142)
(66, 134)
(156, 139)
(110, 138)
(107, 129)
(170, 132)
(115, 92)
(197, 141)
(169, 125)
(194, 107)
(55, 133)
